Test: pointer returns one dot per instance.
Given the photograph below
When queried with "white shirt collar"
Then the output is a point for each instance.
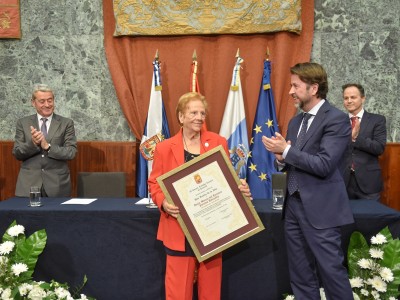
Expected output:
(48, 119)
(313, 111)
(359, 115)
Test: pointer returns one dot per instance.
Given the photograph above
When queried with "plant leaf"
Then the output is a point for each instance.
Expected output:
(391, 260)
(358, 248)
(386, 232)
(29, 250)
(6, 236)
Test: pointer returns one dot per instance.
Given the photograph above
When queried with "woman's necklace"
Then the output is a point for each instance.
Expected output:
(188, 155)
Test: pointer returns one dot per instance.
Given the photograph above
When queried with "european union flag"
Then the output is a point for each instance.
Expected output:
(155, 131)
(260, 164)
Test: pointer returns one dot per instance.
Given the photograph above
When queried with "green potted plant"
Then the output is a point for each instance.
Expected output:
(18, 258)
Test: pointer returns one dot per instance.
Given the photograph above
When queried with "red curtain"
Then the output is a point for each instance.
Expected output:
(130, 63)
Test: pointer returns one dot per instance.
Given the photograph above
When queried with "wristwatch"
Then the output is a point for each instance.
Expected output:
(48, 149)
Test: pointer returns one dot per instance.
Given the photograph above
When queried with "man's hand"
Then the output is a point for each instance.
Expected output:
(275, 144)
(37, 136)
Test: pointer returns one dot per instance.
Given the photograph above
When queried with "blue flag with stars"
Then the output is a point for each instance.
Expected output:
(260, 164)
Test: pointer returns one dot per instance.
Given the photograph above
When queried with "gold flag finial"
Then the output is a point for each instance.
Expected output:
(267, 54)
(156, 56)
(237, 53)
(194, 56)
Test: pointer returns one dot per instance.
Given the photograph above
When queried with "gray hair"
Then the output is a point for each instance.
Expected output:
(40, 87)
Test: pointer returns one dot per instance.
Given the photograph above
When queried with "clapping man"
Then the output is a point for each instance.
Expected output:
(316, 202)
(44, 142)
(362, 172)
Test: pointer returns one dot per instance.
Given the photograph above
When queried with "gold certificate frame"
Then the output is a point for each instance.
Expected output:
(214, 214)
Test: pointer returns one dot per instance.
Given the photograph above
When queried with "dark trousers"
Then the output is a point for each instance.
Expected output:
(354, 191)
(43, 191)
(313, 252)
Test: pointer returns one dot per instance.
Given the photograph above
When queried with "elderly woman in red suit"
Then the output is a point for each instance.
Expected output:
(182, 265)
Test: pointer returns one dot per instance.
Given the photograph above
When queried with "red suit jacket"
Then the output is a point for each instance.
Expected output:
(168, 155)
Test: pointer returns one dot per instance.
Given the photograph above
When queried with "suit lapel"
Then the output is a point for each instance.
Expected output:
(177, 148)
(364, 122)
(316, 123)
(55, 123)
(296, 127)
(206, 142)
(34, 122)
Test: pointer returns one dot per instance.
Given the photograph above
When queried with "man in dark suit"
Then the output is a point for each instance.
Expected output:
(44, 142)
(362, 172)
(316, 202)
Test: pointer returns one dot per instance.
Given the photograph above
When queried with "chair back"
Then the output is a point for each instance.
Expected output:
(101, 184)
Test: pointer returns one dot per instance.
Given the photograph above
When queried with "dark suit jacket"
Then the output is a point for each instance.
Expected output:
(321, 184)
(41, 167)
(365, 151)
(168, 155)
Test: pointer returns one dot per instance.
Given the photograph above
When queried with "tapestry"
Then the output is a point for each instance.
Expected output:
(185, 17)
(10, 22)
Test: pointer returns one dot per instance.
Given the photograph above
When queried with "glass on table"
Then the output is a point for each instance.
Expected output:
(278, 197)
(35, 198)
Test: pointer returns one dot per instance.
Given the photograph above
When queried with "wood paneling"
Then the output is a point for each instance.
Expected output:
(106, 157)
(9, 168)
(91, 157)
(121, 157)
(390, 163)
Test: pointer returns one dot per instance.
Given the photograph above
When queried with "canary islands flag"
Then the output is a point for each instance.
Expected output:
(233, 126)
(260, 164)
(155, 130)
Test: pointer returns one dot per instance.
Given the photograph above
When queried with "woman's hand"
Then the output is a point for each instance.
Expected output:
(245, 189)
(170, 209)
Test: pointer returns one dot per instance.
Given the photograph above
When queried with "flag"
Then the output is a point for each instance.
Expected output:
(155, 131)
(233, 126)
(260, 165)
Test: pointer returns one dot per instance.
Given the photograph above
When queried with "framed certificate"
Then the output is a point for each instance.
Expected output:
(214, 214)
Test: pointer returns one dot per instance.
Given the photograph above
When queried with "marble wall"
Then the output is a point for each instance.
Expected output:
(358, 41)
(62, 45)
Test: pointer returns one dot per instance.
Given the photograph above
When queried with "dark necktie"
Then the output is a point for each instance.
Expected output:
(43, 128)
(353, 123)
(292, 181)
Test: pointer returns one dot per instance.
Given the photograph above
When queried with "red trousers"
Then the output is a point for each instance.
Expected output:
(180, 275)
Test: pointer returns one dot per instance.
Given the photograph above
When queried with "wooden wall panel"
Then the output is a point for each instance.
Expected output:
(9, 168)
(106, 157)
(91, 157)
(121, 156)
(390, 164)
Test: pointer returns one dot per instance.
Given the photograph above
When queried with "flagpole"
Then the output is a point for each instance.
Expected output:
(194, 81)
(233, 126)
(155, 130)
(260, 165)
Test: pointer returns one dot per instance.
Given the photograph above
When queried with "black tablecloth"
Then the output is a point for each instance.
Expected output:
(113, 242)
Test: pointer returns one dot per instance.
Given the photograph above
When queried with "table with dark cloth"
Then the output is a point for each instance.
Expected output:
(113, 242)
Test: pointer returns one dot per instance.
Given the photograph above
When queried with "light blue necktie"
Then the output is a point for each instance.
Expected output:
(43, 128)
